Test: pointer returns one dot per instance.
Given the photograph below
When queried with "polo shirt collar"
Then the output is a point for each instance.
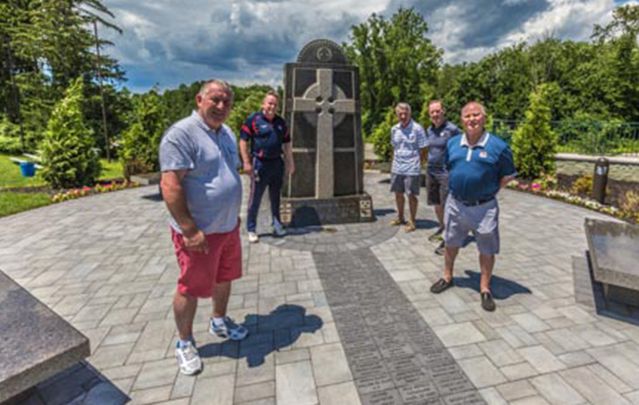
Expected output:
(482, 141)
(198, 118)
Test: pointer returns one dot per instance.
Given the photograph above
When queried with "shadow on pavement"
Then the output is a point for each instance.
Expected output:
(79, 384)
(501, 288)
(267, 333)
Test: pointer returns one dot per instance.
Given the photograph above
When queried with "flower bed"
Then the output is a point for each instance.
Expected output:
(547, 187)
(99, 188)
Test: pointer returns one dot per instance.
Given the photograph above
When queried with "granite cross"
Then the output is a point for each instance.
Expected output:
(325, 99)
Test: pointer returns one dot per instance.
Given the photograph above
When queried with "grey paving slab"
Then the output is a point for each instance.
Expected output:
(105, 264)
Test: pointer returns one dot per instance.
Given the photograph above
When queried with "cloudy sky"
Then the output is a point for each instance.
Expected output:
(168, 42)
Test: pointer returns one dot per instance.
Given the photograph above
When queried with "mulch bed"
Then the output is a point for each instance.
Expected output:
(615, 189)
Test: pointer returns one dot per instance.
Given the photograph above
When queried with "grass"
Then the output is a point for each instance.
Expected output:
(111, 170)
(12, 203)
(10, 176)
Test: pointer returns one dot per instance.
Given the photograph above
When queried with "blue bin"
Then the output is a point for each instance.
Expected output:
(27, 169)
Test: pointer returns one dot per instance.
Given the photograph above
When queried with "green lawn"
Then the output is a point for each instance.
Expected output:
(111, 170)
(12, 203)
(10, 177)
(10, 173)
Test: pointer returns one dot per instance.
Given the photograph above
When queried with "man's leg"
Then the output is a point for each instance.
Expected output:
(274, 191)
(412, 205)
(399, 202)
(255, 198)
(439, 212)
(221, 294)
(184, 307)
(486, 264)
(450, 254)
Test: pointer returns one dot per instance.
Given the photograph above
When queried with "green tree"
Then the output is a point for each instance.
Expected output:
(396, 62)
(381, 136)
(68, 151)
(241, 110)
(534, 143)
(141, 140)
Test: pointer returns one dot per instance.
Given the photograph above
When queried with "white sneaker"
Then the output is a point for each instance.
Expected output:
(278, 229)
(253, 238)
(188, 359)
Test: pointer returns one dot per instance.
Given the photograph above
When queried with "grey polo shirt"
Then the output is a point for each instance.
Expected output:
(212, 184)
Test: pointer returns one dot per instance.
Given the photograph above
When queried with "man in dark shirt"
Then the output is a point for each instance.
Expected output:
(268, 136)
(437, 136)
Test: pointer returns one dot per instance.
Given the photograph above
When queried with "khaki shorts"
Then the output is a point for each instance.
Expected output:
(437, 188)
(404, 184)
(482, 220)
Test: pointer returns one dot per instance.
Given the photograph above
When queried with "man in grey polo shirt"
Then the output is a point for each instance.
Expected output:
(479, 164)
(437, 136)
(408, 140)
(203, 193)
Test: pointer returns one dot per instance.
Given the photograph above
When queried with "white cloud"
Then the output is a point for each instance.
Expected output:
(246, 41)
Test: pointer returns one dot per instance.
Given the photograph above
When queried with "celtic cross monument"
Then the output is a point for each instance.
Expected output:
(322, 108)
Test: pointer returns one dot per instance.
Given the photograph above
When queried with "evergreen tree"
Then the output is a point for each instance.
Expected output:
(141, 140)
(68, 151)
(381, 136)
(534, 143)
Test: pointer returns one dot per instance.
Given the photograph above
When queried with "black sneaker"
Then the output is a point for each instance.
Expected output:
(441, 285)
(440, 249)
(437, 236)
(487, 301)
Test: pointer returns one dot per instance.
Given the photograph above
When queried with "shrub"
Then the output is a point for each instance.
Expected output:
(583, 185)
(630, 204)
(10, 145)
(69, 156)
(381, 136)
(9, 137)
(141, 141)
(534, 143)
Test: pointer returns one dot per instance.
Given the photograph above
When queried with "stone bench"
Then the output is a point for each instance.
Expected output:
(614, 258)
(36, 342)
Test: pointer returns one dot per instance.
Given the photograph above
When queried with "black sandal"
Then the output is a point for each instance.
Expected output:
(487, 301)
(441, 285)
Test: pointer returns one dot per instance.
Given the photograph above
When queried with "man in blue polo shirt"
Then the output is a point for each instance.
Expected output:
(437, 136)
(408, 140)
(479, 164)
(267, 133)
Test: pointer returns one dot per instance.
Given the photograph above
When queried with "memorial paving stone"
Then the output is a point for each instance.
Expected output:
(394, 357)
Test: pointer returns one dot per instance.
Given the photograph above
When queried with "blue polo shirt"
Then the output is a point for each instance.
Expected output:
(474, 172)
(436, 141)
(266, 137)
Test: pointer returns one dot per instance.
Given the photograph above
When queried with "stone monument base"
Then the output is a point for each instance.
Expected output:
(298, 212)
(621, 295)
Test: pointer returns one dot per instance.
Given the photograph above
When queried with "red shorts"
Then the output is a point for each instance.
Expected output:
(199, 272)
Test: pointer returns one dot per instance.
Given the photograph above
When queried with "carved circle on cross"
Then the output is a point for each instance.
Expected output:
(324, 105)
(324, 54)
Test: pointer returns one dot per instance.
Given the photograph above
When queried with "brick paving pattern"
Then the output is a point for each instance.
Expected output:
(106, 265)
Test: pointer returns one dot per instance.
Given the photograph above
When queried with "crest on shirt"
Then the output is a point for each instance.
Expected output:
(483, 154)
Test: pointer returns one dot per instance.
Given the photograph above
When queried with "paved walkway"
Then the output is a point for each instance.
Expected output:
(338, 315)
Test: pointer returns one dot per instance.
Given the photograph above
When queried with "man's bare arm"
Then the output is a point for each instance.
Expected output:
(288, 156)
(247, 166)
(173, 195)
(505, 180)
